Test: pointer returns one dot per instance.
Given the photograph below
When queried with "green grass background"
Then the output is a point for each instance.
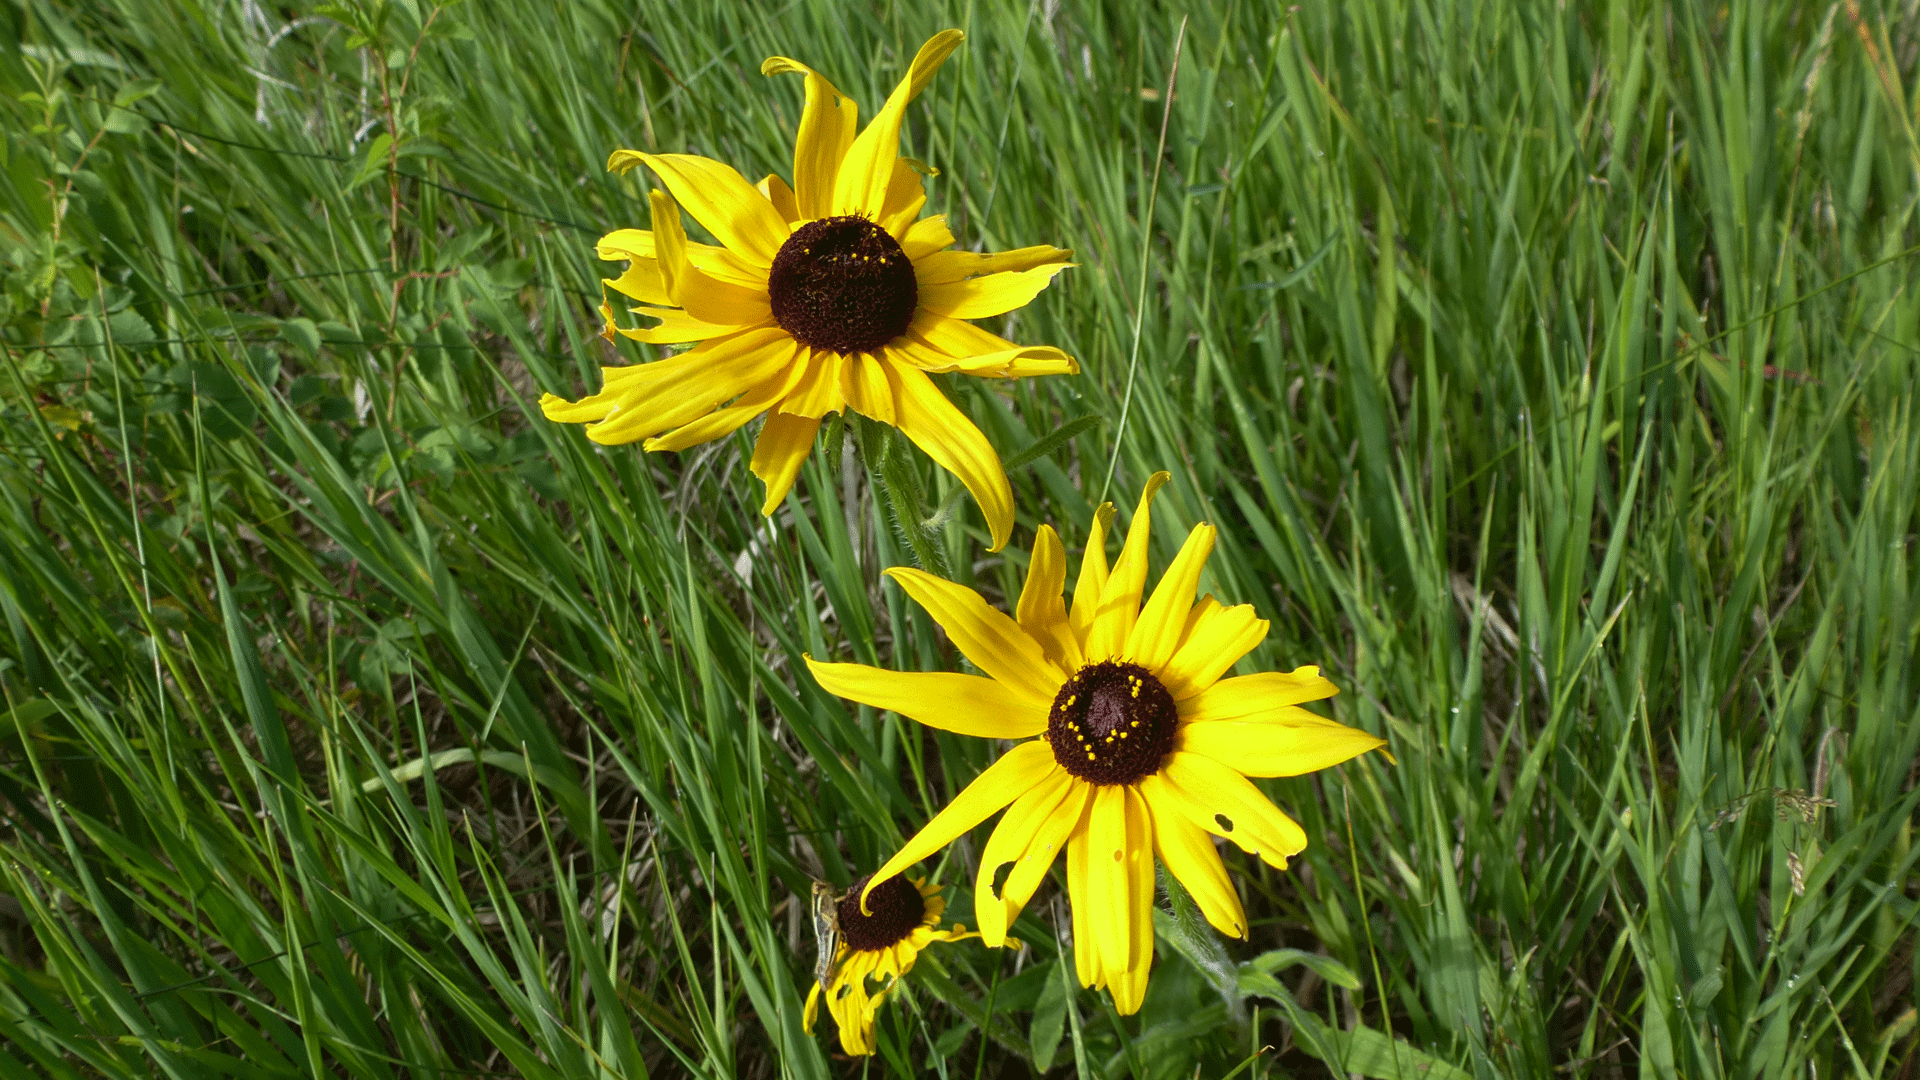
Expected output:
(1548, 369)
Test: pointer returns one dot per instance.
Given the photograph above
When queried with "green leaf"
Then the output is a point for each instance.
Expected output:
(1049, 1019)
(137, 90)
(374, 162)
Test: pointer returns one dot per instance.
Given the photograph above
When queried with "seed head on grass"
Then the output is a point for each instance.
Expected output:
(1142, 749)
(829, 294)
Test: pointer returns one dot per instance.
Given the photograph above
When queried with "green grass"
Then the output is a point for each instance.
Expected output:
(1548, 369)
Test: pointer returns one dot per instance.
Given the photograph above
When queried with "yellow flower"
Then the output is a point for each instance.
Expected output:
(1143, 748)
(879, 946)
(830, 294)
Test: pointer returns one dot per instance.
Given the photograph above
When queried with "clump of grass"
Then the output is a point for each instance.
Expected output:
(1549, 375)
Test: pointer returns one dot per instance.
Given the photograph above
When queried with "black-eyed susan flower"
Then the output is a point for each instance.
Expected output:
(827, 295)
(1142, 748)
(877, 947)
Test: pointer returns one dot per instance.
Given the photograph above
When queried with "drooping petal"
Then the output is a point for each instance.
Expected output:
(926, 236)
(867, 169)
(637, 245)
(1107, 891)
(935, 343)
(785, 441)
(1086, 947)
(1129, 986)
(1120, 601)
(1093, 576)
(950, 439)
(1018, 771)
(1042, 809)
(867, 388)
(827, 126)
(1282, 746)
(781, 196)
(818, 391)
(935, 269)
(963, 704)
(719, 198)
(1225, 803)
(984, 635)
(725, 421)
(984, 297)
(705, 297)
(1157, 632)
(1190, 857)
(1251, 696)
(675, 327)
(642, 400)
(1216, 638)
(1042, 610)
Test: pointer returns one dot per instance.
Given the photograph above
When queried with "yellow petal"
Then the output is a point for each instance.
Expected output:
(1129, 985)
(1027, 839)
(1086, 947)
(1157, 632)
(675, 327)
(785, 441)
(994, 643)
(963, 704)
(1042, 611)
(868, 387)
(827, 125)
(926, 236)
(638, 245)
(1190, 857)
(1120, 601)
(958, 348)
(1017, 772)
(727, 420)
(1093, 576)
(1215, 640)
(642, 281)
(1107, 880)
(781, 196)
(906, 196)
(1276, 747)
(945, 266)
(950, 439)
(818, 392)
(1225, 803)
(721, 200)
(984, 297)
(867, 169)
(812, 1014)
(1251, 696)
(642, 400)
(705, 297)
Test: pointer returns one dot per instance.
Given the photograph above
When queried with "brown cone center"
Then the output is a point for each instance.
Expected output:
(897, 906)
(842, 284)
(1112, 723)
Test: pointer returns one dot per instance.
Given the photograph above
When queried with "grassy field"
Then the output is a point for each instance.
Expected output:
(1549, 371)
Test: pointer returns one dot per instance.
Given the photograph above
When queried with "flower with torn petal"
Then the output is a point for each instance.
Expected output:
(828, 295)
(1136, 745)
(877, 947)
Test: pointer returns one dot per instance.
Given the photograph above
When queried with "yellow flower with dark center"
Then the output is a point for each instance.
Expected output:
(1143, 748)
(877, 946)
(831, 294)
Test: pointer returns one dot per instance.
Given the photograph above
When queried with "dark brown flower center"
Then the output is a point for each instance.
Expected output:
(898, 909)
(842, 283)
(1112, 723)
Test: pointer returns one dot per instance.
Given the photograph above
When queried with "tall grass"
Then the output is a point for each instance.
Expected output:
(1548, 369)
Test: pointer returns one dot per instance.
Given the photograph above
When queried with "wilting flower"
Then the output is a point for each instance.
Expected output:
(830, 294)
(877, 946)
(1143, 748)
